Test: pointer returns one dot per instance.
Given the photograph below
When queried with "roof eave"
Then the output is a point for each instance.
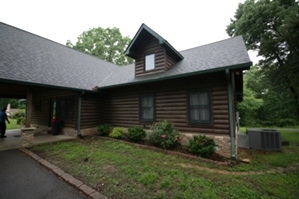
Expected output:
(238, 67)
(178, 55)
(128, 50)
(46, 85)
(130, 54)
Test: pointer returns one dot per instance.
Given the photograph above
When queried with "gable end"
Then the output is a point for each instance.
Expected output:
(148, 45)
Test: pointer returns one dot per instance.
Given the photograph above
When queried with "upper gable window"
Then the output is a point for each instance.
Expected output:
(149, 62)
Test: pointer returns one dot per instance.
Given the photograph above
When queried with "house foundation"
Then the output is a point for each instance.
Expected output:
(27, 137)
(74, 132)
(223, 143)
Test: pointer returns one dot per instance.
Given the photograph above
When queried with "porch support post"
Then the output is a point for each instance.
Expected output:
(79, 115)
(230, 112)
(28, 108)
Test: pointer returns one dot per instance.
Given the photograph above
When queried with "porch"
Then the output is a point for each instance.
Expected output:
(13, 139)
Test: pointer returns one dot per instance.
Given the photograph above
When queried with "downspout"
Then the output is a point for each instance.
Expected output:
(230, 112)
(79, 115)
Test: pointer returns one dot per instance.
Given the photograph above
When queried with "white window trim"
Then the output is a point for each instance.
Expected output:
(149, 62)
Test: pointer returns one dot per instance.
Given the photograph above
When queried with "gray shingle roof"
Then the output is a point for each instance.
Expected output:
(228, 53)
(29, 58)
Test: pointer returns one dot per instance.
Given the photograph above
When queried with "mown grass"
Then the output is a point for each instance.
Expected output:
(265, 160)
(12, 125)
(119, 170)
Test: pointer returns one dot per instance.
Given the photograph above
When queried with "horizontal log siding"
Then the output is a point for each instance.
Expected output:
(121, 109)
(45, 96)
(122, 104)
(169, 62)
(150, 47)
(91, 111)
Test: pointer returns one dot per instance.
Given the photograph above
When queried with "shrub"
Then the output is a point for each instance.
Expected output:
(165, 135)
(287, 122)
(136, 134)
(19, 114)
(201, 146)
(117, 133)
(21, 120)
(103, 129)
(20, 117)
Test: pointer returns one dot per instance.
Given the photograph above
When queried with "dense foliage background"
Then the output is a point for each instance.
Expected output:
(271, 90)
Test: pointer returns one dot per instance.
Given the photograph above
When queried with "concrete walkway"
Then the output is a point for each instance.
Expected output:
(12, 141)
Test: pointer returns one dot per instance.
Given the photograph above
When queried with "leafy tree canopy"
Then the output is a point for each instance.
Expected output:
(269, 26)
(251, 104)
(272, 28)
(5, 101)
(107, 44)
(264, 104)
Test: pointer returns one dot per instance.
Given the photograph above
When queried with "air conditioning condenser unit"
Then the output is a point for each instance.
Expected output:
(265, 139)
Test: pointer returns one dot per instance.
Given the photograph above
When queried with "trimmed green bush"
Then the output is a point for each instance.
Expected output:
(136, 134)
(201, 146)
(117, 133)
(103, 129)
(21, 120)
(165, 135)
(20, 117)
(19, 114)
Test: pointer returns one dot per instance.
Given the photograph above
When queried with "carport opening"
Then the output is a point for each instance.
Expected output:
(16, 111)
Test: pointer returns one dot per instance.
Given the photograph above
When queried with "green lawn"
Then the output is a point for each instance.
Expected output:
(120, 170)
(13, 124)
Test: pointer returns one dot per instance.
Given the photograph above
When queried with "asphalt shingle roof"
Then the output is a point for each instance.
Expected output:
(228, 53)
(29, 58)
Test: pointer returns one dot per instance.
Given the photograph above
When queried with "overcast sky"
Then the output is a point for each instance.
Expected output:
(184, 24)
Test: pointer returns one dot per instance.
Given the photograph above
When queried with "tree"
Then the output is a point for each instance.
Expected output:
(272, 28)
(254, 80)
(5, 101)
(107, 44)
(264, 103)
(249, 108)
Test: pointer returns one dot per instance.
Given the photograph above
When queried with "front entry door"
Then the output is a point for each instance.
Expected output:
(53, 110)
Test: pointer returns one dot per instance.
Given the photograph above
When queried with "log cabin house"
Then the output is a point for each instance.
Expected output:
(197, 89)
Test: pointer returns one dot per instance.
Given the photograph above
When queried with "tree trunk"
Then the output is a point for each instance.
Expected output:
(296, 100)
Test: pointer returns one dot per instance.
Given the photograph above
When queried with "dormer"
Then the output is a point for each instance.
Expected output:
(151, 52)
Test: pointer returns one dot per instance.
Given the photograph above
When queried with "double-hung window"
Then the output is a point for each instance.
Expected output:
(199, 107)
(146, 108)
(149, 62)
